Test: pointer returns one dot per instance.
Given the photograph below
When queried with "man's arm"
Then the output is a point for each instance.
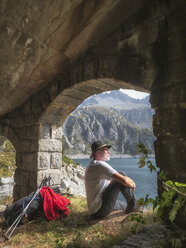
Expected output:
(126, 181)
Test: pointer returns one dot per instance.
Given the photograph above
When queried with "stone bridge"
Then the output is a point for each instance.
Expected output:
(55, 54)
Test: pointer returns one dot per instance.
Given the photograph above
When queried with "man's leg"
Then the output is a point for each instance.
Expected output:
(128, 194)
(110, 202)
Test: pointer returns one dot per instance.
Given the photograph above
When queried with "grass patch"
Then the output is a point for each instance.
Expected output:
(68, 161)
(7, 160)
(77, 230)
(7, 200)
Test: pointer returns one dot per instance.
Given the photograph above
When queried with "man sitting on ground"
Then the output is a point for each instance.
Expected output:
(102, 194)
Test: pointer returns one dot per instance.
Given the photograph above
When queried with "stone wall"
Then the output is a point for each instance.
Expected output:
(38, 149)
(146, 51)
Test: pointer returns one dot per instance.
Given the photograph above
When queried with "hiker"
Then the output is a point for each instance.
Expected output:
(103, 184)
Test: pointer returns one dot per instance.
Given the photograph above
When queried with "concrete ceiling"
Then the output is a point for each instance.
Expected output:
(39, 39)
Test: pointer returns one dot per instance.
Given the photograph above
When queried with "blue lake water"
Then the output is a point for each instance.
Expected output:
(146, 182)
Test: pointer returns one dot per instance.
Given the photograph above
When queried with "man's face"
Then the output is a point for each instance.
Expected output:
(104, 154)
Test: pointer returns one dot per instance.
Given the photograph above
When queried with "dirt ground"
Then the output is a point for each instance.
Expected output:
(110, 224)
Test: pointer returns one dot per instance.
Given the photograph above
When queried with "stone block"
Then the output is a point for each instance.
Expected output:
(34, 146)
(24, 191)
(76, 73)
(29, 161)
(162, 126)
(34, 106)
(6, 121)
(70, 100)
(18, 159)
(169, 95)
(55, 175)
(53, 91)
(17, 122)
(90, 70)
(16, 192)
(44, 131)
(25, 145)
(43, 160)
(4, 130)
(1, 128)
(52, 117)
(30, 132)
(50, 145)
(33, 180)
(24, 178)
(26, 107)
(17, 176)
(56, 160)
(28, 146)
(29, 120)
(56, 132)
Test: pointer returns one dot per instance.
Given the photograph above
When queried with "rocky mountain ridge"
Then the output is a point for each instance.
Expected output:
(87, 124)
(135, 111)
(114, 98)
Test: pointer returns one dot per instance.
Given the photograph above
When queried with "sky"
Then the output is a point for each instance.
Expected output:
(135, 94)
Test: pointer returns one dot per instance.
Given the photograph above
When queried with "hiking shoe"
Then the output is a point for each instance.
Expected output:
(136, 209)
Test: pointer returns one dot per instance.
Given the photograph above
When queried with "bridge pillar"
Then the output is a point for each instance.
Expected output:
(169, 128)
(41, 155)
(169, 102)
(49, 156)
(38, 153)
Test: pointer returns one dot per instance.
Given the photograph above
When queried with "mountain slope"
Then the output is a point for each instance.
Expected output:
(113, 98)
(140, 116)
(88, 124)
(135, 111)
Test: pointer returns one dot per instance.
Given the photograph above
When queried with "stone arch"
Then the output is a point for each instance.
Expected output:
(144, 52)
(146, 55)
(13, 137)
(70, 98)
(10, 134)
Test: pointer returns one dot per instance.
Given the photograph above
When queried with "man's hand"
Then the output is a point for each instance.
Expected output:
(126, 181)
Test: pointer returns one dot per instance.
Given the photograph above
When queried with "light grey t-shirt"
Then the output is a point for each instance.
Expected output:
(96, 175)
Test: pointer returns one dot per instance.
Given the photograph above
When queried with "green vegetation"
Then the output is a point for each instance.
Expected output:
(6, 200)
(171, 202)
(66, 161)
(78, 230)
(65, 145)
(7, 160)
(174, 195)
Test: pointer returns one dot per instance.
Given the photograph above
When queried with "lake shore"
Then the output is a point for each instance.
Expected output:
(84, 156)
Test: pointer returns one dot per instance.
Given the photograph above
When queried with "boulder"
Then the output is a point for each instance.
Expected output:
(72, 181)
(6, 186)
(7, 180)
(153, 236)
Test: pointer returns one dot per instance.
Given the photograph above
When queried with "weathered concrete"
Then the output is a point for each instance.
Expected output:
(39, 39)
(109, 46)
